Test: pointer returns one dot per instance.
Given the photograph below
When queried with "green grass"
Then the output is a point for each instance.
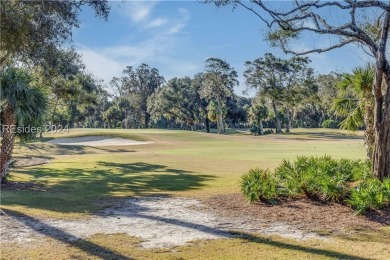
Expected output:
(122, 246)
(81, 180)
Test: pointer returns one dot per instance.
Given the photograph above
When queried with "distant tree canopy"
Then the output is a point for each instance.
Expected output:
(179, 101)
(33, 31)
(283, 82)
(258, 112)
(132, 91)
(218, 83)
(139, 85)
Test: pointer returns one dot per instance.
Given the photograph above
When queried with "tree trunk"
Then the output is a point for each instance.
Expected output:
(261, 129)
(278, 128)
(7, 142)
(146, 118)
(54, 111)
(221, 128)
(219, 125)
(288, 120)
(207, 124)
(381, 157)
(381, 162)
(369, 123)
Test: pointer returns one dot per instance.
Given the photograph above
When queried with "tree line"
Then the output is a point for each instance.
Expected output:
(288, 94)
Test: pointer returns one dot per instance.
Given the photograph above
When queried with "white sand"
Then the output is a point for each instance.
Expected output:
(96, 141)
(158, 221)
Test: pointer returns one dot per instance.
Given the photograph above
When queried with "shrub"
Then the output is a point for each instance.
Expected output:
(254, 129)
(259, 185)
(289, 176)
(268, 131)
(330, 124)
(370, 194)
(357, 170)
(321, 178)
(325, 187)
(386, 188)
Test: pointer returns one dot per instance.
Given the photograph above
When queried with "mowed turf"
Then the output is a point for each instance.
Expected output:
(81, 180)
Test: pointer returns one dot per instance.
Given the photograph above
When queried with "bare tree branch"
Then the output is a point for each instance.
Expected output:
(320, 50)
(294, 19)
(253, 11)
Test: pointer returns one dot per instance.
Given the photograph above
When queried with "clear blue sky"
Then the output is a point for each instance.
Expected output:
(177, 36)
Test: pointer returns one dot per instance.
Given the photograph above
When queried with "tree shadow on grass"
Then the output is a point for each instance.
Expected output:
(322, 136)
(284, 245)
(252, 238)
(88, 247)
(38, 148)
(86, 190)
(97, 250)
(142, 212)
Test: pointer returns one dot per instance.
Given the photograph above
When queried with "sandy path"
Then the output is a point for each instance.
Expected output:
(96, 141)
(158, 221)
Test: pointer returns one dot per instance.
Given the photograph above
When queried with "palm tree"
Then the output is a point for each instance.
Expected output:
(21, 105)
(356, 103)
(218, 83)
(215, 113)
(257, 114)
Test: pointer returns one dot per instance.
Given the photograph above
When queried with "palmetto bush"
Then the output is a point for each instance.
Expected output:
(370, 194)
(259, 184)
(319, 178)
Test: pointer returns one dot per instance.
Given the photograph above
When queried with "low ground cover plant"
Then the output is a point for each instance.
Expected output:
(319, 178)
(259, 184)
(370, 194)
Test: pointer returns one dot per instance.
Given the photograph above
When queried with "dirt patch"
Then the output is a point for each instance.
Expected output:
(300, 214)
(162, 222)
(158, 221)
(27, 161)
(96, 141)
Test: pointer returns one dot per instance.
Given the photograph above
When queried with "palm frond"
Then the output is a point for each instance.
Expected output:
(343, 106)
(354, 120)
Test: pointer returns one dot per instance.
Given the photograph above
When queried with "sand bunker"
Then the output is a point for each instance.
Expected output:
(96, 141)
